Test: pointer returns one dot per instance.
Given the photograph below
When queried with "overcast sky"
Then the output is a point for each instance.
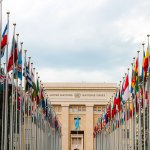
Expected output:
(80, 40)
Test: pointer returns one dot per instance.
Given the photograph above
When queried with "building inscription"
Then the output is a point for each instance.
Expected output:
(78, 95)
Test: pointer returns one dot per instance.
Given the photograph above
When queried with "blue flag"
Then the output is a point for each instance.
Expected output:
(77, 123)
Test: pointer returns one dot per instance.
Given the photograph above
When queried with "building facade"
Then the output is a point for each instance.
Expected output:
(83, 100)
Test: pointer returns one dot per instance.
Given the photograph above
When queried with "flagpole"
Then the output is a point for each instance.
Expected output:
(25, 51)
(139, 101)
(12, 99)
(132, 120)
(135, 129)
(143, 102)
(3, 109)
(0, 32)
(28, 100)
(128, 121)
(36, 114)
(20, 114)
(31, 105)
(6, 86)
(148, 97)
(16, 128)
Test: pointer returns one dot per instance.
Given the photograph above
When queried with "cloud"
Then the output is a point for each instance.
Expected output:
(72, 40)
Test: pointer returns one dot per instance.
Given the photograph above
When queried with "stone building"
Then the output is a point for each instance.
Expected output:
(83, 100)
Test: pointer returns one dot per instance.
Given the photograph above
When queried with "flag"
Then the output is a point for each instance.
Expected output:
(133, 83)
(77, 123)
(142, 74)
(118, 101)
(37, 91)
(28, 79)
(42, 93)
(126, 89)
(14, 54)
(136, 76)
(4, 41)
(34, 85)
(145, 65)
(20, 64)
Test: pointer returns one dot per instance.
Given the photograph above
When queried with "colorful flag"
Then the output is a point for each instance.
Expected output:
(136, 76)
(145, 66)
(4, 41)
(20, 64)
(13, 56)
(126, 89)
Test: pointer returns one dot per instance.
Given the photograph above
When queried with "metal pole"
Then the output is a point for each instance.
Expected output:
(12, 99)
(20, 115)
(3, 109)
(16, 128)
(0, 31)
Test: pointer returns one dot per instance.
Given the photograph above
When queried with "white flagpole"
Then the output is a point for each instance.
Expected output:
(132, 120)
(12, 99)
(143, 105)
(139, 115)
(148, 109)
(20, 115)
(25, 131)
(16, 128)
(135, 128)
(6, 86)
(36, 117)
(6, 93)
(31, 106)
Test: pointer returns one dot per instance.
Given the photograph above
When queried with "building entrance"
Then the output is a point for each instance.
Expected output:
(77, 141)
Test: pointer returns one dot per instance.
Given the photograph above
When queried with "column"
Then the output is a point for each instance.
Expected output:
(65, 127)
(89, 128)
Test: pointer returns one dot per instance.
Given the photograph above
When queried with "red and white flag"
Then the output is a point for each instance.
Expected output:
(126, 89)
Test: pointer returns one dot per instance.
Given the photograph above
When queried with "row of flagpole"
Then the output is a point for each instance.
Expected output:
(28, 120)
(125, 123)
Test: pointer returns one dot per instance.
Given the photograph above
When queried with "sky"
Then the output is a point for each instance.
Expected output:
(80, 40)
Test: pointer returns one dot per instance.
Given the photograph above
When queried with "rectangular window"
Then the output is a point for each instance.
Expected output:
(95, 109)
(70, 109)
(99, 109)
(79, 108)
(75, 109)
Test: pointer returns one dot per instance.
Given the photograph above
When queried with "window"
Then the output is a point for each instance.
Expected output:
(79, 108)
(70, 109)
(74, 109)
(95, 109)
(57, 108)
(98, 108)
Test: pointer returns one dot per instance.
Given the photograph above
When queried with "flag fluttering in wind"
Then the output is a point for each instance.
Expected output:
(4, 41)
(125, 95)
(13, 55)
(77, 123)
(20, 65)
